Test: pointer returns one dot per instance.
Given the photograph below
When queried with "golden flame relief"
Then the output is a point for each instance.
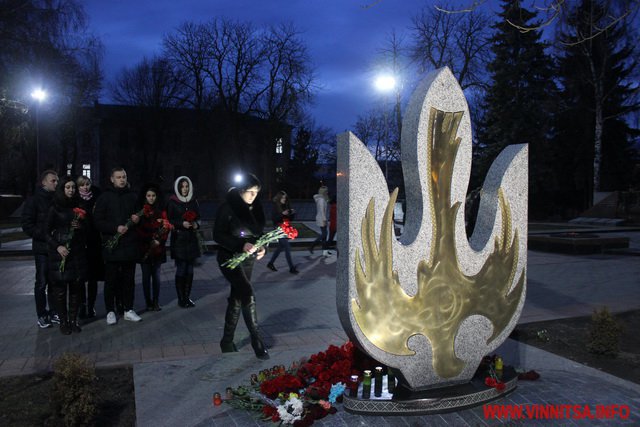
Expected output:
(445, 296)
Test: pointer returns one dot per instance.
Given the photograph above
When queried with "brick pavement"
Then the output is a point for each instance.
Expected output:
(177, 361)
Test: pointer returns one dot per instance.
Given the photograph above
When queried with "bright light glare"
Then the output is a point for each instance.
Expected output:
(385, 83)
(39, 95)
(237, 178)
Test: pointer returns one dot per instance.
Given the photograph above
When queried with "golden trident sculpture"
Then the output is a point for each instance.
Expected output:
(434, 303)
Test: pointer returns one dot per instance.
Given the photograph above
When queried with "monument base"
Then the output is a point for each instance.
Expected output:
(432, 401)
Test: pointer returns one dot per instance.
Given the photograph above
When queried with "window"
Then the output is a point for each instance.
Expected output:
(86, 170)
(69, 168)
(279, 146)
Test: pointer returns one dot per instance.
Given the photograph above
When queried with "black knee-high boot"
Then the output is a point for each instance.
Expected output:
(231, 318)
(74, 305)
(180, 290)
(251, 319)
(60, 291)
(188, 283)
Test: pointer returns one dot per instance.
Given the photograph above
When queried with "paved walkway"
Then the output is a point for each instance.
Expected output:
(178, 365)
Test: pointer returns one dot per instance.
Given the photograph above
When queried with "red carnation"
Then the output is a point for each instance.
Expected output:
(79, 213)
(147, 210)
(189, 216)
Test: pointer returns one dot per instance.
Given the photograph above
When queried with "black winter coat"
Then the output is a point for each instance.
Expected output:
(94, 241)
(34, 219)
(59, 233)
(184, 241)
(113, 208)
(237, 223)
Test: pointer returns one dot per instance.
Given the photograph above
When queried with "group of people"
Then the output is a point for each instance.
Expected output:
(80, 237)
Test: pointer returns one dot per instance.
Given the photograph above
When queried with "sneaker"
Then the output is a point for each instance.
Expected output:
(132, 316)
(55, 319)
(326, 253)
(43, 322)
(272, 267)
(111, 318)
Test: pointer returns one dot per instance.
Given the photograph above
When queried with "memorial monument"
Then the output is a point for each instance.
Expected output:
(433, 303)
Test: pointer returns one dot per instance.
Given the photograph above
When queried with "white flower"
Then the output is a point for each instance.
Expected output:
(291, 411)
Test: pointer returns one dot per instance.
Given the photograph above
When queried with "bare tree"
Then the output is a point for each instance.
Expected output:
(603, 46)
(551, 11)
(187, 50)
(151, 83)
(290, 75)
(375, 129)
(459, 41)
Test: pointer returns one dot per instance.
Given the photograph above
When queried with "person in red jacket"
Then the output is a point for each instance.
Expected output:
(153, 231)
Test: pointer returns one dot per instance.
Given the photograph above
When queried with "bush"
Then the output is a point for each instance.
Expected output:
(604, 333)
(73, 395)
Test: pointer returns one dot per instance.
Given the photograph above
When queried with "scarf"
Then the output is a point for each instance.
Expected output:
(85, 195)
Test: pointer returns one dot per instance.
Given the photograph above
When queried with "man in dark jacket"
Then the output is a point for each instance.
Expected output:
(34, 224)
(113, 216)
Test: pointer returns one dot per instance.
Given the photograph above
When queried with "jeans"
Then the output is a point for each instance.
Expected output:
(41, 284)
(119, 284)
(184, 268)
(283, 245)
(322, 239)
(151, 273)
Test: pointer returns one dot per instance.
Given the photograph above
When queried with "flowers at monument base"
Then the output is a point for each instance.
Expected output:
(113, 241)
(78, 214)
(305, 392)
(494, 368)
(283, 230)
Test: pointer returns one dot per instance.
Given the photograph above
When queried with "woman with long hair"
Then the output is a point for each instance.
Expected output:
(239, 223)
(66, 240)
(153, 231)
(282, 211)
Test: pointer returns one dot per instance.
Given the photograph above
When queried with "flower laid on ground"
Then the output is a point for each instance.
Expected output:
(305, 392)
(284, 230)
(113, 242)
(493, 380)
(78, 214)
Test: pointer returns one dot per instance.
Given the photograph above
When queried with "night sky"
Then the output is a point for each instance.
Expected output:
(342, 37)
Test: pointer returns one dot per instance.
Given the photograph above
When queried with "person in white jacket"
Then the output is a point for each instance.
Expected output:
(321, 199)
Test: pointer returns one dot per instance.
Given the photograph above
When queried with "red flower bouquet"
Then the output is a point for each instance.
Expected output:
(190, 216)
(305, 392)
(284, 230)
(78, 214)
(163, 229)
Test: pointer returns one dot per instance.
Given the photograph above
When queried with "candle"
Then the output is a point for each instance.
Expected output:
(217, 399)
(366, 385)
(377, 386)
(391, 380)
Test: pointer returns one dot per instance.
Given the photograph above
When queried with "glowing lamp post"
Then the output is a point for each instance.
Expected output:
(385, 84)
(39, 95)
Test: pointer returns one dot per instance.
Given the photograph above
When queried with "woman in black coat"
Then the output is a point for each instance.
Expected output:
(239, 223)
(66, 239)
(88, 195)
(183, 213)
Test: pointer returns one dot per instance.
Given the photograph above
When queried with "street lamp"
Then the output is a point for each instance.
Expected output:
(39, 95)
(386, 83)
